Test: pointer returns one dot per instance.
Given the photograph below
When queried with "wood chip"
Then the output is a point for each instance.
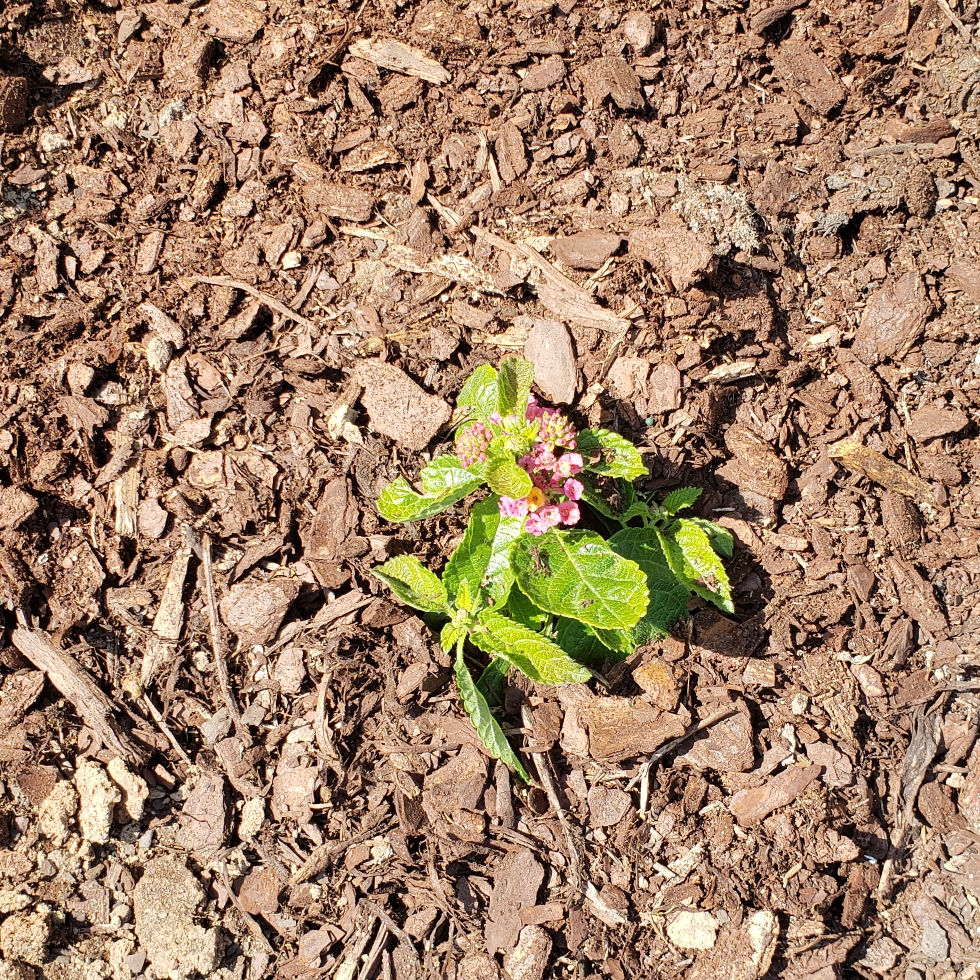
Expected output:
(751, 806)
(805, 73)
(396, 56)
(76, 684)
(893, 320)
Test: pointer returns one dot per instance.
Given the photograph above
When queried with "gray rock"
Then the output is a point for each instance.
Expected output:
(935, 943)
(549, 349)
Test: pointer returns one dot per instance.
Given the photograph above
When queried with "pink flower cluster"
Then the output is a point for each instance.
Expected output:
(553, 498)
(471, 446)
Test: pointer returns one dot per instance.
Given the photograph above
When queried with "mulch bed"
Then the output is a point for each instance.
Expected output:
(249, 251)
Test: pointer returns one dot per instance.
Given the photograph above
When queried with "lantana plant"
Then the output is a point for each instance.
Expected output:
(564, 565)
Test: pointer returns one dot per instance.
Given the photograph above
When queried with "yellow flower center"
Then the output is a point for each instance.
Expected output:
(535, 499)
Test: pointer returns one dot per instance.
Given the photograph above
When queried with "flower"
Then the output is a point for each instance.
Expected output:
(552, 474)
(472, 442)
(511, 507)
(535, 525)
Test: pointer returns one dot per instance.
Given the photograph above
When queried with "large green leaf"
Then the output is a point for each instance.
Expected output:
(446, 474)
(691, 558)
(668, 595)
(531, 653)
(514, 386)
(483, 720)
(482, 560)
(444, 481)
(506, 478)
(480, 394)
(577, 574)
(609, 454)
(582, 642)
(523, 611)
(721, 537)
(414, 584)
(680, 499)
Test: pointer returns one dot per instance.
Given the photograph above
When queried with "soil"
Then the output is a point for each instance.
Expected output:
(248, 253)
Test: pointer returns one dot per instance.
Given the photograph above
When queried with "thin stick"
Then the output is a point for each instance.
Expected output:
(265, 298)
(220, 664)
(165, 728)
(712, 719)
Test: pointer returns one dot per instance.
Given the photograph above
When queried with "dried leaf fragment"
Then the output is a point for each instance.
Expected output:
(877, 467)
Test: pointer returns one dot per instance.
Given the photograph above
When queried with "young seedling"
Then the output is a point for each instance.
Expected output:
(527, 586)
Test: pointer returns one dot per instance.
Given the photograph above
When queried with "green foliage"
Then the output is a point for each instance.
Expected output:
(576, 574)
(479, 397)
(531, 653)
(609, 454)
(582, 599)
(444, 481)
(487, 727)
(413, 583)
(514, 385)
(506, 479)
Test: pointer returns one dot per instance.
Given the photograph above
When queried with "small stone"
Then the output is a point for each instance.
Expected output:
(397, 407)
(586, 249)
(158, 353)
(27, 935)
(165, 902)
(882, 955)
(693, 930)
(98, 796)
(136, 961)
(292, 260)
(57, 812)
(637, 28)
(935, 943)
(133, 787)
(549, 349)
(252, 818)
(79, 377)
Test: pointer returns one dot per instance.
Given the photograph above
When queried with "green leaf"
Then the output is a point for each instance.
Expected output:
(523, 611)
(446, 474)
(480, 394)
(414, 584)
(450, 636)
(609, 454)
(514, 385)
(668, 595)
(610, 497)
(577, 574)
(482, 560)
(582, 643)
(506, 478)
(483, 720)
(638, 509)
(531, 653)
(692, 559)
(721, 538)
(445, 481)
(491, 682)
(680, 499)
